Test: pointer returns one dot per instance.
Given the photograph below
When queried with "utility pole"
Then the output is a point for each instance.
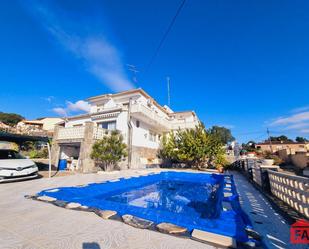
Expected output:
(168, 92)
(270, 145)
(133, 69)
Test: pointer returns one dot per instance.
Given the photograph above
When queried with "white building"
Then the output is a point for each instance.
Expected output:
(140, 119)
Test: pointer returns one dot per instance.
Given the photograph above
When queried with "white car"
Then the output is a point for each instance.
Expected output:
(14, 166)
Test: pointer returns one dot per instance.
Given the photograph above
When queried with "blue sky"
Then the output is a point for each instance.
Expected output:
(241, 64)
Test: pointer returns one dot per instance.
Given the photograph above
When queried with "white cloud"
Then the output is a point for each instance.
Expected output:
(297, 123)
(100, 57)
(292, 119)
(301, 109)
(49, 99)
(78, 106)
(60, 111)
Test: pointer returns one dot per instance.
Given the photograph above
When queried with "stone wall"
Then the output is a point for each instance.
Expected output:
(300, 159)
(141, 157)
(87, 164)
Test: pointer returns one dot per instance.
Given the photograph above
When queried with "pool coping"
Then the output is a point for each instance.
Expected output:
(230, 195)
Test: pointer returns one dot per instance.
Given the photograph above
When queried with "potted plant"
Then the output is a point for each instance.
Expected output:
(268, 158)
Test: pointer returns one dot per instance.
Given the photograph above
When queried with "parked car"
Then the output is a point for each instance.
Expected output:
(14, 166)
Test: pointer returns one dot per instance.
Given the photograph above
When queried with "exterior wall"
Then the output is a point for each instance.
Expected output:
(300, 159)
(141, 135)
(142, 156)
(49, 123)
(74, 122)
(291, 148)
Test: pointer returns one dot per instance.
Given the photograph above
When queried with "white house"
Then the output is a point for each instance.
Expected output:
(140, 119)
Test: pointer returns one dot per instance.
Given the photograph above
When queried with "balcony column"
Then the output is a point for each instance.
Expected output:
(87, 164)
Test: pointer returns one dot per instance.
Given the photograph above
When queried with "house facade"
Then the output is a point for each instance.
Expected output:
(136, 115)
(276, 146)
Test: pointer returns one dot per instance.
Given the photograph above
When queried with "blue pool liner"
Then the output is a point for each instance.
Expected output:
(230, 223)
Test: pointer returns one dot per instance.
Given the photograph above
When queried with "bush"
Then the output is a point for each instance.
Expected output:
(194, 147)
(42, 153)
(108, 151)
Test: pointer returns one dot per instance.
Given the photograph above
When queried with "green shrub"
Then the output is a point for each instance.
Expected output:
(108, 151)
(195, 147)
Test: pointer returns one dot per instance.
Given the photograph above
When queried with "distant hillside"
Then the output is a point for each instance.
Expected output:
(10, 119)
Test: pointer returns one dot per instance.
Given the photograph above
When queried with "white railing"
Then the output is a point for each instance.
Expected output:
(71, 132)
(149, 113)
(99, 133)
(293, 190)
(182, 125)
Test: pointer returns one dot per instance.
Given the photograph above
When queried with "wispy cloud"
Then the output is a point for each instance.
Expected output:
(49, 99)
(100, 57)
(292, 119)
(297, 122)
(78, 106)
(60, 111)
(301, 109)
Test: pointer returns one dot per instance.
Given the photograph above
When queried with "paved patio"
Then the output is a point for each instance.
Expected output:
(27, 223)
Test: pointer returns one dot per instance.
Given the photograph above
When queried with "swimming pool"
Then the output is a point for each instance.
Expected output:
(208, 202)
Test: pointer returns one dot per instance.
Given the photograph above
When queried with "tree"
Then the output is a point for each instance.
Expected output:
(195, 147)
(108, 151)
(281, 138)
(249, 147)
(10, 119)
(301, 140)
(223, 134)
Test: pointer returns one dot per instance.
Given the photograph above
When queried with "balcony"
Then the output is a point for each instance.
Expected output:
(65, 133)
(79, 133)
(149, 116)
(182, 125)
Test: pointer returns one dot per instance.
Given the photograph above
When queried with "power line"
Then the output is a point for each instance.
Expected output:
(165, 34)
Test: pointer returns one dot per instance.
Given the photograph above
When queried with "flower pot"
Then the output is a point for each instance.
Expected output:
(268, 162)
(221, 170)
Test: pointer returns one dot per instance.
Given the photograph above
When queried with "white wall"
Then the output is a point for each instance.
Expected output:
(74, 122)
(141, 136)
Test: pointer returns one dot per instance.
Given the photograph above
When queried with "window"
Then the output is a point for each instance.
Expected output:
(109, 125)
(152, 136)
(10, 154)
(137, 123)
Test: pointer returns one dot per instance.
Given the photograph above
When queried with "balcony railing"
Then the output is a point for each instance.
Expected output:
(71, 132)
(99, 133)
(182, 125)
(150, 114)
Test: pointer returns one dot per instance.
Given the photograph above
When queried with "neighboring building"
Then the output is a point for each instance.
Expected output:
(275, 146)
(139, 118)
(37, 125)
